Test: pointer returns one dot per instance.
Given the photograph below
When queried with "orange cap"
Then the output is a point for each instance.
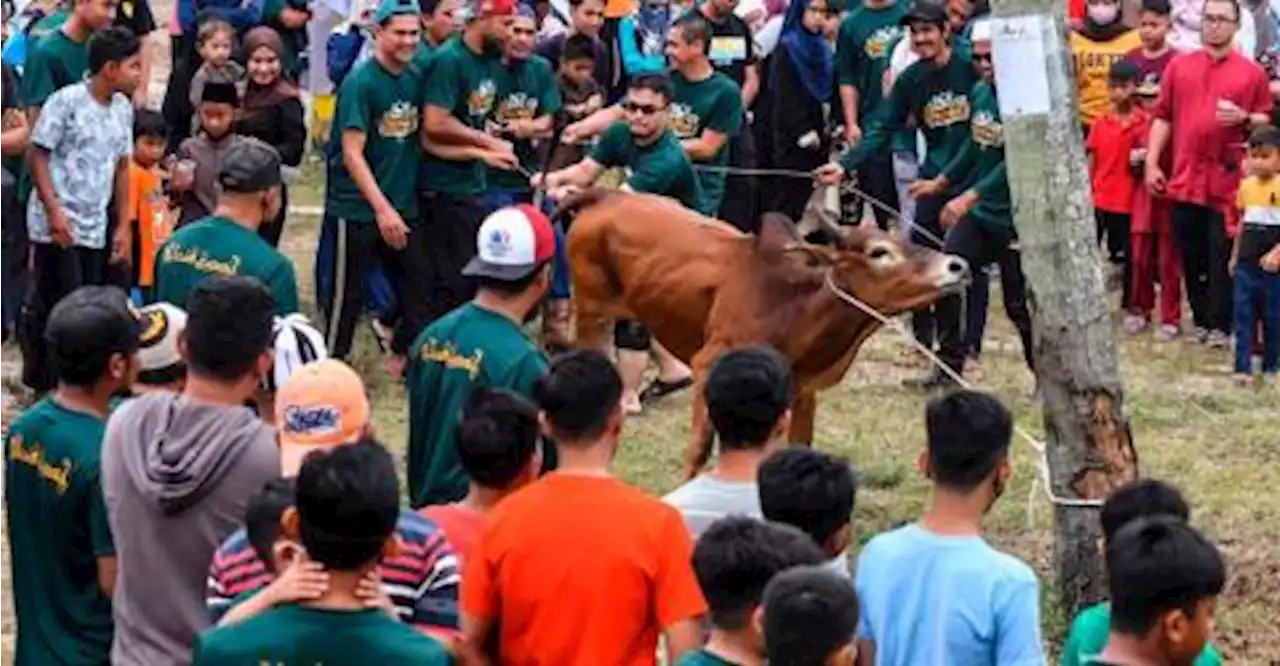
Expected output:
(323, 405)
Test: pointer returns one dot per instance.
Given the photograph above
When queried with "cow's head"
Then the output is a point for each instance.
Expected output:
(880, 270)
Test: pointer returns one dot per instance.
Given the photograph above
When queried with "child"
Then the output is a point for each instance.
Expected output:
(735, 559)
(576, 76)
(813, 491)
(148, 205)
(1155, 53)
(1259, 204)
(1144, 498)
(1154, 257)
(214, 42)
(1165, 579)
(1111, 142)
(195, 172)
(810, 616)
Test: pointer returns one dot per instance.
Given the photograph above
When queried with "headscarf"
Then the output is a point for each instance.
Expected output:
(652, 20)
(259, 97)
(810, 53)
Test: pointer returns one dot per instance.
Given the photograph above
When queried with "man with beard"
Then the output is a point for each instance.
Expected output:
(461, 94)
(908, 612)
(934, 93)
(478, 344)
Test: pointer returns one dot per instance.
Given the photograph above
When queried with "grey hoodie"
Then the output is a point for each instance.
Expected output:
(176, 475)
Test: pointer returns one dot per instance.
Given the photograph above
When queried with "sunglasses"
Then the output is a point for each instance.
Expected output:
(979, 57)
(642, 109)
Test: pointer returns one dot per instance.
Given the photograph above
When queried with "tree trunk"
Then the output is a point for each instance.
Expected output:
(1089, 446)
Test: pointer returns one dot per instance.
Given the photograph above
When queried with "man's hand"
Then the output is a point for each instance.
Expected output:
(503, 161)
(573, 134)
(1270, 261)
(302, 580)
(1230, 114)
(13, 119)
(122, 247)
(59, 228)
(294, 18)
(830, 173)
(540, 180)
(1155, 178)
(371, 593)
(926, 187)
(392, 227)
(958, 208)
(852, 133)
(522, 128)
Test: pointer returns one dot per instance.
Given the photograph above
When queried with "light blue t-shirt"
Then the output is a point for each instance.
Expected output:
(929, 599)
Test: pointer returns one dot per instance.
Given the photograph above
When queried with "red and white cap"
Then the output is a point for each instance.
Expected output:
(512, 243)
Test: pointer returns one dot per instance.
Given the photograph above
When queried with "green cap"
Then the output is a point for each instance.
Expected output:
(390, 8)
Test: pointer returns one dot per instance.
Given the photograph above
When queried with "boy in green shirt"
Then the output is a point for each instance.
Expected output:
(734, 561)
(61, 58)
(1144, 498)
(227, 242)
(347, 505)
(478, 344)
(63, 556)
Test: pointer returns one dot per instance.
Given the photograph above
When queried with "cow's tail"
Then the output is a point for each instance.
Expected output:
(570, 205)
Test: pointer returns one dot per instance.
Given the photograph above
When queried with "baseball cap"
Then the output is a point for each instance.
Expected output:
(923, 11)
(323, 405)
(390, 8)
(512, 243)
(249, 165)
(295, 343)
(93, 320)
(161, 363)
(980, 30)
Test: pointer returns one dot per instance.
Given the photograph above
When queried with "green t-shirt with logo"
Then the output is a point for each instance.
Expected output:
(466, 348)
(300, 636)
(54, 62)
(658, 168)
(465, 84)
(863, 46)
(714, 103)
(527, 89)
(57, 530)
(384, 106)
(937, 98)
(980, 164)
(1088, 636)
(702, 658)
(217, 245)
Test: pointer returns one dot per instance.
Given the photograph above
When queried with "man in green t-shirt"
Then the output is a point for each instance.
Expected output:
(64, 561)
(370, 194)
(460, 97)
(227, 242)
(61, 58)
(706, 107)
(478, 344)
(344, 516)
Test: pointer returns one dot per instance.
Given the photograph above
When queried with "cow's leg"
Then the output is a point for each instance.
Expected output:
(590, 325)
(698, 450)
(802, 416)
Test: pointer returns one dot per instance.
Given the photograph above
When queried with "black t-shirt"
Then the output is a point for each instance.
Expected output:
(12, 100)
(732, 47)
(136, 16)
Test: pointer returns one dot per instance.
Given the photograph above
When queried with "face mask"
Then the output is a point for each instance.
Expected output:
(1103, 14)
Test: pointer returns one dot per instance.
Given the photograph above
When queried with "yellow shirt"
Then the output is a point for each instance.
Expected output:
(1093, 62)
(1259, 201)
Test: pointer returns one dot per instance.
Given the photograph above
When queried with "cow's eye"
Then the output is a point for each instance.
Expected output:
(880, 252)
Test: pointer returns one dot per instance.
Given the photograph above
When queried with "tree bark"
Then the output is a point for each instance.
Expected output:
(1089, 445)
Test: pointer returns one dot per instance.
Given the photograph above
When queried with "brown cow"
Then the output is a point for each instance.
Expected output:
(701, 287)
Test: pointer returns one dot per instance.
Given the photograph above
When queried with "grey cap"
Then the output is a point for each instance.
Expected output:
(249, 165)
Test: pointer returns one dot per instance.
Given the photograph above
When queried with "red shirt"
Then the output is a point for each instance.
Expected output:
(1110, 141)
(461, 526)
(1150, 70)
(1207, 155)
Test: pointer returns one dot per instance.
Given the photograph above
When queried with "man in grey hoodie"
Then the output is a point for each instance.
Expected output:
(178, 469)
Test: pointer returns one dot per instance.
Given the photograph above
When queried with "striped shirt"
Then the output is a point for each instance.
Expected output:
(422, 579)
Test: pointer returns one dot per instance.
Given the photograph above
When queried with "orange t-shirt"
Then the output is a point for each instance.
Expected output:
(581, 571)
(149, 210)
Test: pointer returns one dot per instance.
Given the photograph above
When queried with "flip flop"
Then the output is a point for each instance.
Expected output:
(658, 389)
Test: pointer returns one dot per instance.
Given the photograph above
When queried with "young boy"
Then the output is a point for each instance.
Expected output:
(1144, 498)
(576, 76)
(147, 209)
(1165, 579)
(810, 618)
(78, 157)
(1111, 142)
(57, 528)
(215, 40)
(1259, 204)
(1155, 53)
(194, 177)
(813, 491)
(735, 559)
(347, 508)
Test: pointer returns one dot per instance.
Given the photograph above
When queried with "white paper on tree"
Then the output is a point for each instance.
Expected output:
(1021, 68)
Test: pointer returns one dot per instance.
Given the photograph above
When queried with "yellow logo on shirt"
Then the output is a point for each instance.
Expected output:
(684, 122)
(447, 355)
(516, 106)
(197, 259)
(945, 109)
(988, 131)
(399, 122)
(877, 45)
(480, 101)
(33, 456)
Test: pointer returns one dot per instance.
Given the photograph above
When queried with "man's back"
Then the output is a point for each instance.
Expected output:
(298, 635)
(933, 599)
(218, 246)
(176, 475)
(581, 570)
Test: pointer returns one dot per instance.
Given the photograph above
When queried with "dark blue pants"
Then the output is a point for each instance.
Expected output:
(1256, 289)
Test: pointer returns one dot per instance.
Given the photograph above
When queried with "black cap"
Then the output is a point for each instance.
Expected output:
(220, 92)
(94, 320)
(249, 165)
(923, 11)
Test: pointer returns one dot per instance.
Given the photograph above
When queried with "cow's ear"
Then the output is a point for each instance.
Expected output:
(819, 255)
(776, 230)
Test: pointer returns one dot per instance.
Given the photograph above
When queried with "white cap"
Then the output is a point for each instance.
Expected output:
(296, 343)
(980, 30)
(158, 353)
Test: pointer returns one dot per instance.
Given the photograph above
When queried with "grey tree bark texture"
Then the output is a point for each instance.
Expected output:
(1089, 444)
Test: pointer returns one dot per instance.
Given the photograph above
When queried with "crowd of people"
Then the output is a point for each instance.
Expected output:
(197, 479)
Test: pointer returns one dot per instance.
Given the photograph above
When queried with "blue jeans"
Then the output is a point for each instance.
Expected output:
(1255, 287)
(560, 276)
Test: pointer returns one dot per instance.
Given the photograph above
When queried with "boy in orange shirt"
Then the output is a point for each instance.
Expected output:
(579, 568)
(148, 205)
(1110, 144)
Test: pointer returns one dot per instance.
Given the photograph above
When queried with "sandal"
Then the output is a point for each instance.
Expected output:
(659, 389)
